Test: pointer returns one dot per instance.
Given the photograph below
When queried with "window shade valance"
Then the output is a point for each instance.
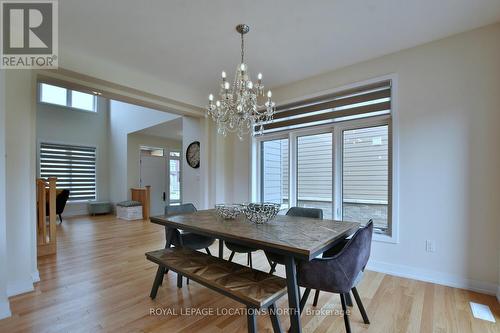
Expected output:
(365, 101)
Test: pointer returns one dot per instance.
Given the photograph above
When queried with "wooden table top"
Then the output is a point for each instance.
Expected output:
(304, 238)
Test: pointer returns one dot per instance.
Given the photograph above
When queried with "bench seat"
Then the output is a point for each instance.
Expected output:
(254, 288)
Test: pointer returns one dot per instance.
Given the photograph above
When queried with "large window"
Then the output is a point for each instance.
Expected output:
(73, 166)
(52, 94)
(341, 163)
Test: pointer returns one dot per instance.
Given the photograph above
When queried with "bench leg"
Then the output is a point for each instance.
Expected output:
(303, 300)
(251, 320)
(274, 319)
(156, 284)
(179, 280)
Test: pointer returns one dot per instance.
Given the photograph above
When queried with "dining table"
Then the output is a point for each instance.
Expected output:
(296, 238)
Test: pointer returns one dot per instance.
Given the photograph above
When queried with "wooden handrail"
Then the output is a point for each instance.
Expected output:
(46, 234)
(143, 195)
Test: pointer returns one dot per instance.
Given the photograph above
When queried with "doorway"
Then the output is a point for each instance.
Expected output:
(161, 169)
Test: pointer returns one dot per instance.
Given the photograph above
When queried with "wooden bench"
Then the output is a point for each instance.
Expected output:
(254, 288)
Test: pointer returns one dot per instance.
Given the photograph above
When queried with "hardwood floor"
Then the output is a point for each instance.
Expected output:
(100, 281)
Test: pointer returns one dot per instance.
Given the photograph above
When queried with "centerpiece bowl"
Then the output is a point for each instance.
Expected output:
(229, 211)
(260, 213)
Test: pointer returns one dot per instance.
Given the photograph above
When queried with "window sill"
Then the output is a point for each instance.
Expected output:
(384, 238)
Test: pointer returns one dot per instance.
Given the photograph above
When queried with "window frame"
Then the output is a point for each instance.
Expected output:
(68, 98)
(169, 157)
(337, 129)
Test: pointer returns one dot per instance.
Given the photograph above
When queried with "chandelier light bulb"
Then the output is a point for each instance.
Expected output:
(226, 85)
(217, 103)
(243, 67)
(259, 76)
(269, 94)
(210, 97)
(250, 85)
(223, 75)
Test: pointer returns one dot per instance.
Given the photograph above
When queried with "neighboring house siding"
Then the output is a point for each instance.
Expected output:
(365, 173)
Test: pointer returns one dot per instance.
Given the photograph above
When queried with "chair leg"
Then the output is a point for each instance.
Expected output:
(251, 320)
(348, 300)
(208, 251)
(304, 298)
(274, 319)
(250, 258)
(346, 317)
(160, 272)
(273, 267)
(231, 256)
(187, 281)
(360, 305)
(60, 219)
(316, 297)
(179, 280)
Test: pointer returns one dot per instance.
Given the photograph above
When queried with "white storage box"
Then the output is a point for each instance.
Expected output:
(129, 210)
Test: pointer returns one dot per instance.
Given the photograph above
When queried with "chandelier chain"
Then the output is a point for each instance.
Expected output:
(242, 48)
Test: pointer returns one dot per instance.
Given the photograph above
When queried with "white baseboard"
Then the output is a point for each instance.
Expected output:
(4, 309)
(20, 287)
(434, 277)
(35, 276)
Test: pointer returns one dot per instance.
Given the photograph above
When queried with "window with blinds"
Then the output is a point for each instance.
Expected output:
(73, 166)
(361, 102)
(340, 152)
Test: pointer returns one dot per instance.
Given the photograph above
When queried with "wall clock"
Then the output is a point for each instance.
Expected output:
(193, 154)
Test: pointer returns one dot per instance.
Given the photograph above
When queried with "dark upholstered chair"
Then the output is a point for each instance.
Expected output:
(237, 248)
(188, 239)
(61, 199)
(339, 271)
(314, 213)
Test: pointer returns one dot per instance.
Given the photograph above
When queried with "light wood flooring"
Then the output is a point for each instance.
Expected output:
(100, 281)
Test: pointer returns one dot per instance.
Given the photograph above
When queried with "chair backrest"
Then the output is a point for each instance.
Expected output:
(314, 213)
(355, 254)
(180, 209)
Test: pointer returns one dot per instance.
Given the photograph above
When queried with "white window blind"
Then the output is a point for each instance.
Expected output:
(73, 166)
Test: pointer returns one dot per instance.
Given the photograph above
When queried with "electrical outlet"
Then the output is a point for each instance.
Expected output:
(430, 246)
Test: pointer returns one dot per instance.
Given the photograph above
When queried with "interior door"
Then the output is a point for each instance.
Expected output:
(154, 173)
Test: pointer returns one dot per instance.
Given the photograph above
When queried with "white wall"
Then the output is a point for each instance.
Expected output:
(4, 303)
(126, 118)
(449, 116)
(135, 141)
(20, 181)
(63, 125)
(192, 185)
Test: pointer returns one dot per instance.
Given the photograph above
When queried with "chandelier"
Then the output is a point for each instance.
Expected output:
(237, 109)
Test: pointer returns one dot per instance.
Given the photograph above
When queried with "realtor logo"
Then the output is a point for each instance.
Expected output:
(29, 37)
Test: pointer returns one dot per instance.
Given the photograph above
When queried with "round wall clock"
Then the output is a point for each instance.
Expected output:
(193, 154)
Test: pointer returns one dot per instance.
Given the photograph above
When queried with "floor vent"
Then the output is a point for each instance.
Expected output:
(481, 311)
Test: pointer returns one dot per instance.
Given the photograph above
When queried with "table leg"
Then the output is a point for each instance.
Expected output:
(221, 249)
(293, 295)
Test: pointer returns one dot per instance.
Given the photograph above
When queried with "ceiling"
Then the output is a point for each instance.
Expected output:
(190, 42)
(171, 129)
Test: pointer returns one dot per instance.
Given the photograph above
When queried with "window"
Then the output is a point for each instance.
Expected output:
(174, 180)
(314, 172)
(152, 151)
(52, 94)
(73, 166)
(274, 170)
(340, 155)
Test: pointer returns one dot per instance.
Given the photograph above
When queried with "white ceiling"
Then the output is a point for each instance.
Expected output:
(169, 130)
(191, 42)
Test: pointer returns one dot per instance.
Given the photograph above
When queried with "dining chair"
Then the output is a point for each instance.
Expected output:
(184, 238)
(339, 272)
(315, 213)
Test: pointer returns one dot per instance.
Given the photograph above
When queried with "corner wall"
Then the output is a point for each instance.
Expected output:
(4, 302)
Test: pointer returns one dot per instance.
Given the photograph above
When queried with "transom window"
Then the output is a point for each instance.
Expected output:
(61, 96)
(342, 165)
